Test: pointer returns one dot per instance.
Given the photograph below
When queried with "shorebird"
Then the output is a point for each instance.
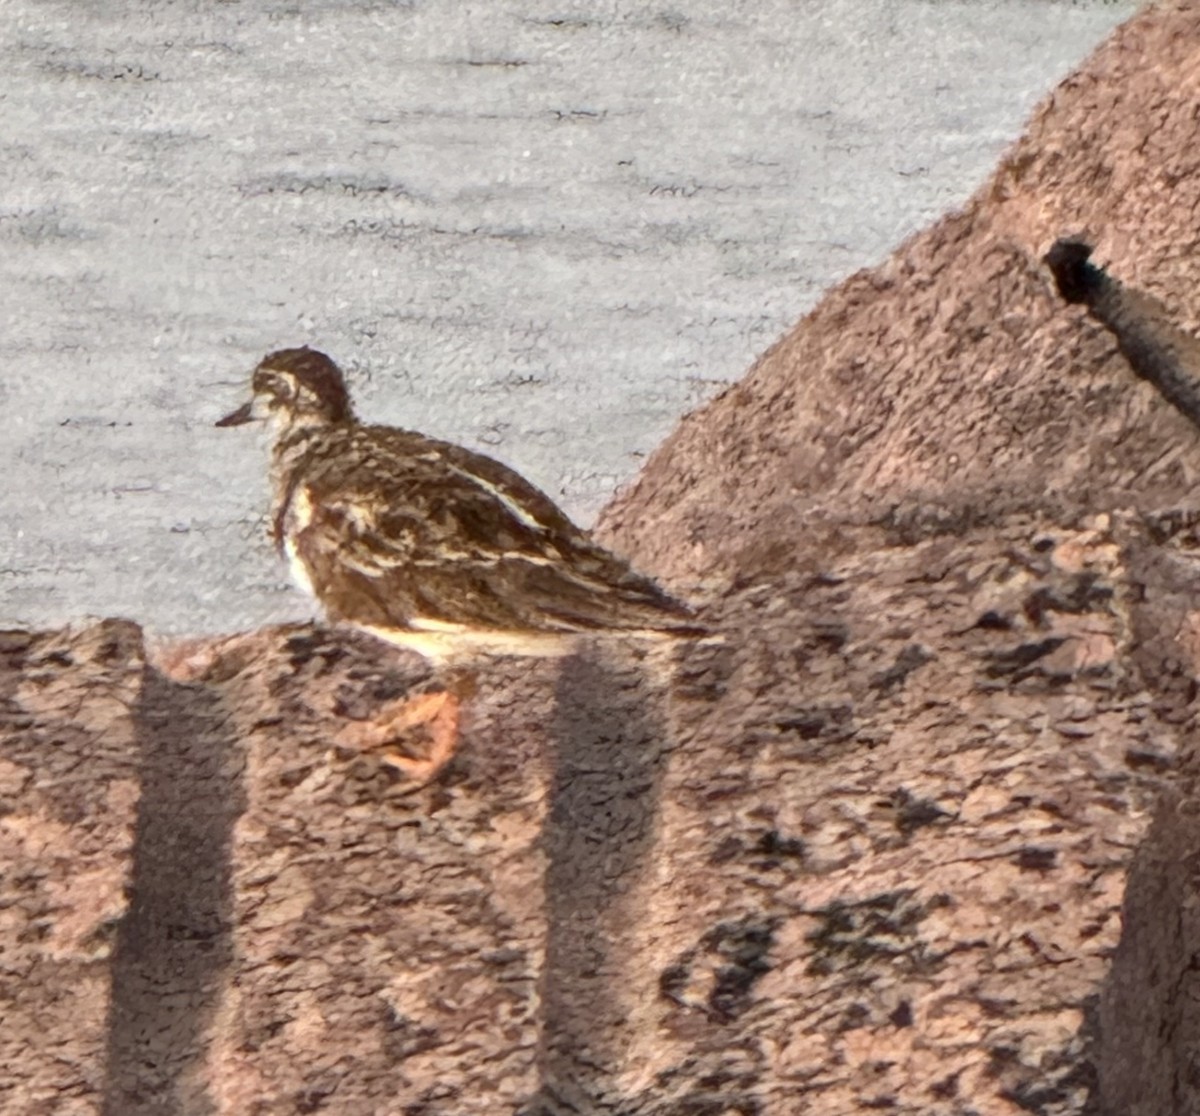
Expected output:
(431, 546)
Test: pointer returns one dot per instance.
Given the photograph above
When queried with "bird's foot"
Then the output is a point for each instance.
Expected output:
(416, 736)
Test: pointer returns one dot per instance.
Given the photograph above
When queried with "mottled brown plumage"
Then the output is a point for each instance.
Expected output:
(426, 542)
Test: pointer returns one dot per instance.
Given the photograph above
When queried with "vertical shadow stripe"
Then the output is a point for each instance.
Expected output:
(175, 944)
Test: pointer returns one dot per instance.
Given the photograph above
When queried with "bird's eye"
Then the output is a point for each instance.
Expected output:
(277, 387)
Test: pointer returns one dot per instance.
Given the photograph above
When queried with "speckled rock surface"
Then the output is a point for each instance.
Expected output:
(71, 760)
(951, 382)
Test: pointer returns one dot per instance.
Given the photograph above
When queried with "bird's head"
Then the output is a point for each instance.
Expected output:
(295, 388)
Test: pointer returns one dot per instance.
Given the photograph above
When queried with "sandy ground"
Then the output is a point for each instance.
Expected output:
(544, 230)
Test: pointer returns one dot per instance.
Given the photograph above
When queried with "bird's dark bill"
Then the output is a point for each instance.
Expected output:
(239, 417)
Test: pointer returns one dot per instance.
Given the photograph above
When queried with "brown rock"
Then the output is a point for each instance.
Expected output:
(382, 947)
(951, 385)
(69, 783)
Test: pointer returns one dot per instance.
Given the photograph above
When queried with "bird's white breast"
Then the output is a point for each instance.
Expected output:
(299, 516)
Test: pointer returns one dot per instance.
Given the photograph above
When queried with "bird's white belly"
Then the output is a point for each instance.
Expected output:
(446, 642)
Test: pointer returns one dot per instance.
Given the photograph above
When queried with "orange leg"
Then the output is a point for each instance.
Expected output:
(425, 724)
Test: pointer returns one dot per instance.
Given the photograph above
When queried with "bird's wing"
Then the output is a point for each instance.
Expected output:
(428, 531)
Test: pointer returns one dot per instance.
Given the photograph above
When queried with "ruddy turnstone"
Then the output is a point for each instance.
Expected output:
(429, 545)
